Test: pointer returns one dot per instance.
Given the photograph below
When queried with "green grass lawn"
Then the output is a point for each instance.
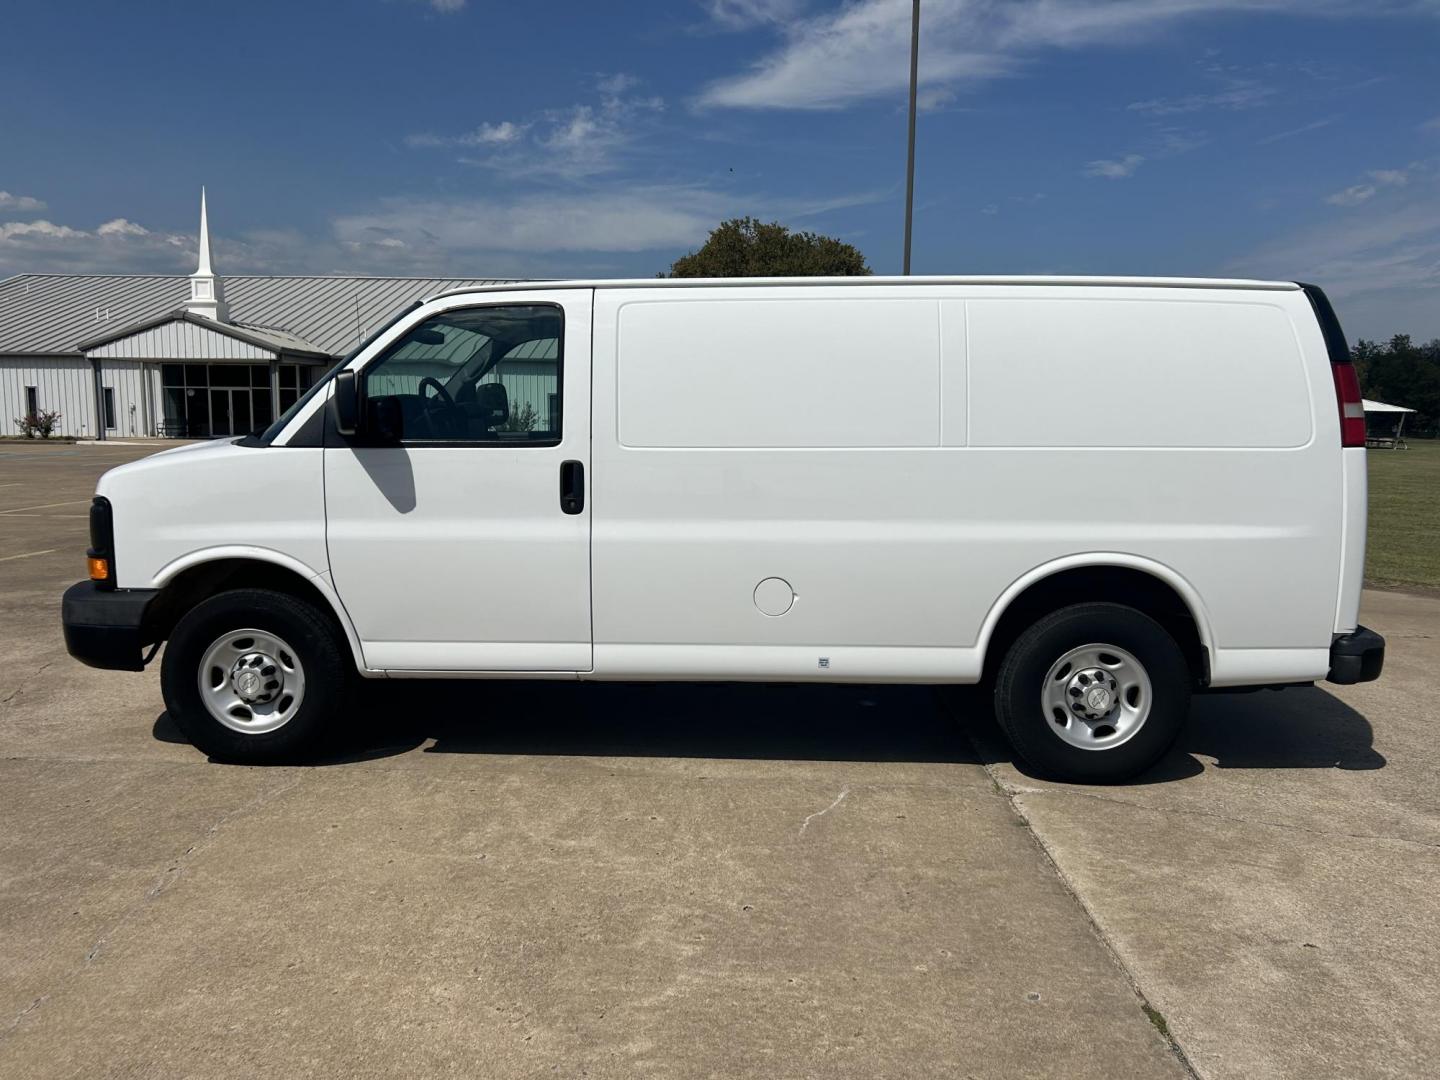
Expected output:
(1404, 543)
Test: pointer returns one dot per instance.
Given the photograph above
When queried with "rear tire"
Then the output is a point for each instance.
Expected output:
(255, 676)
(1093, 693)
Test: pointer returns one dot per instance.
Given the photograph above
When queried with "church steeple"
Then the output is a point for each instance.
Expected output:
(206, 296)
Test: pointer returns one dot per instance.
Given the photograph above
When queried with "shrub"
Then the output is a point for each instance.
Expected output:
(523, 419)
(38, 425)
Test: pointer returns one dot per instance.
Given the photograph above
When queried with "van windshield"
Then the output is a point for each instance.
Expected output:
(268, 436)
(271, 433)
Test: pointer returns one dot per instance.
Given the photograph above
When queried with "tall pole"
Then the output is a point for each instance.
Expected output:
(910, 157)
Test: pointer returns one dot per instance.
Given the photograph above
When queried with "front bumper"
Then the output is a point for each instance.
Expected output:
(106, 628)
(1356, 657)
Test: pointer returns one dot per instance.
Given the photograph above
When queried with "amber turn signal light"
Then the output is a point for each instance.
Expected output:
(99, 568)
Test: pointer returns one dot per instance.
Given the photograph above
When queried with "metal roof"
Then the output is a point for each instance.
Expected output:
(50, 314)
(276, 341)
(270, 337)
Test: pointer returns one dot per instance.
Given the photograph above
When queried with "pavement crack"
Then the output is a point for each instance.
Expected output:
(821, 813)
(25, 1012)
(1231, 818)
(1147, 1007)
(16, 692)
(176, 867)
(174, 870)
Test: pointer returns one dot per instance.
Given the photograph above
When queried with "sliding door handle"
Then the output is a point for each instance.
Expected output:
(572, 487)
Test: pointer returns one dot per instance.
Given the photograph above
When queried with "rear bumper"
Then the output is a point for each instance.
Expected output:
(1356, 657)
(106, 628)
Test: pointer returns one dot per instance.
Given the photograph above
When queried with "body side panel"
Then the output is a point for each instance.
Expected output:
(893, 550)
(177, 508)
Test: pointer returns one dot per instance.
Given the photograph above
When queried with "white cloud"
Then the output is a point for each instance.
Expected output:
(21, 204)
(1382, 261)
(1162, 143)
(443, 7)
(121, 227)
(530, 232)
(1246, 95)
(576, 142)
(576, 129)
(118, 245)
(485, 135)
(613, 86)
(489, 134)
(1352, 196)
(122, 246)
(934, 97)
(1115, 168)
(743, 14)
(861, 51)
(1314, 125)
(637, 220)
(1364, 192)
(1172, 141)
(500, 232)
(39, 230)
(1431, 126)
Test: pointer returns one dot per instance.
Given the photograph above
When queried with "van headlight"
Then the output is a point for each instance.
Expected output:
(101, 555)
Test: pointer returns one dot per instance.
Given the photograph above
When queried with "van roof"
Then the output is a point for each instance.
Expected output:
(736, 282)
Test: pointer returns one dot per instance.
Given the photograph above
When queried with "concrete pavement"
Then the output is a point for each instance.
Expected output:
(515, 879)
(1274, 888)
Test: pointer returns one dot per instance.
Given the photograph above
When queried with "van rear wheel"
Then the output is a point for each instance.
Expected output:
(1093, 693)
(255, 676)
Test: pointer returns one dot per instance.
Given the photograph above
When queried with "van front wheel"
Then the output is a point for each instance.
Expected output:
(1093, 693)
(255, 676)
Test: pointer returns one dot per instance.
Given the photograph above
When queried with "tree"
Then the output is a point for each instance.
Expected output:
(1402, 373)
(746, 247)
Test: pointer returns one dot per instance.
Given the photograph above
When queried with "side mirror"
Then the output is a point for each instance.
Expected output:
(346, 403)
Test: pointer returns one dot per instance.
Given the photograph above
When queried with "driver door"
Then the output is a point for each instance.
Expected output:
(461, 541)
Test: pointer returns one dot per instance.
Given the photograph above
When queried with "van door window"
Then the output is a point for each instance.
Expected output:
(474, 375)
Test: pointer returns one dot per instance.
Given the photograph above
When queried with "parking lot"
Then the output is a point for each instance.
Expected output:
(527, 879)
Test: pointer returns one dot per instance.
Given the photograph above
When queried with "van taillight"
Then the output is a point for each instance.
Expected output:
(1347, 383)
(1352, 408)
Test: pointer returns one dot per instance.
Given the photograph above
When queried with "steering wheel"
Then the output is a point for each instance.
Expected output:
(444, 400)
(430, 380)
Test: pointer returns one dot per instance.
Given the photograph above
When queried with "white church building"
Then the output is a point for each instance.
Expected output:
(127, 356)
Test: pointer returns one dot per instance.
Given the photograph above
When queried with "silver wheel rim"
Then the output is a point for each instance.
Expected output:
(251, 681)
(1096, 697)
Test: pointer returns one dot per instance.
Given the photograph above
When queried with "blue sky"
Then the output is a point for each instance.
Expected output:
(1284, 138)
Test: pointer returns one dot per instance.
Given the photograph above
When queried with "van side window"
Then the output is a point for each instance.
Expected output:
(475, 375)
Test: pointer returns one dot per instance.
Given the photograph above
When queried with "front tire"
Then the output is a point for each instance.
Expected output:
(255, 676)
(1093, 693)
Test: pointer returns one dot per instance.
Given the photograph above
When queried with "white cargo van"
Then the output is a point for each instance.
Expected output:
(1096, 495)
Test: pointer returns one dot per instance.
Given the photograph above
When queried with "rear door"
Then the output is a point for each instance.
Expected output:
(463, 546)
